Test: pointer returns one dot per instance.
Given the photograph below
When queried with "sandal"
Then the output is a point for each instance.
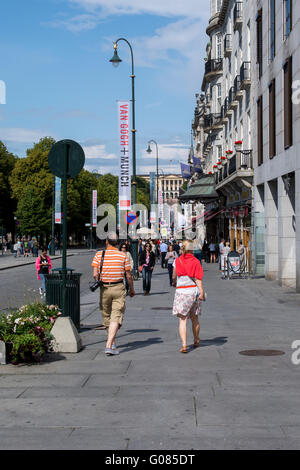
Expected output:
(196, 343)
(183, 349)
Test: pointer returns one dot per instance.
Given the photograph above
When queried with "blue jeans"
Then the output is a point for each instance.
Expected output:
(170, 269)
(147, 274)
(43, 279)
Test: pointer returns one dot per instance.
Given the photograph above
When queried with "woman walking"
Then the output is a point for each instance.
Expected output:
(43, 266)
(124, 249)
(147, 261)
(188, 273)
(170, 258)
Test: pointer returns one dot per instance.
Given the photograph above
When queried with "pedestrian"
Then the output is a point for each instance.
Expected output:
(109, 267)
(170, 258)
(212, 250)
(163, 252)
(43, 266)
(187, 278)
(242, 251)
(176, 247)
(147, 263)
(19, 247)
(124, 249)
(140, 246)
(15, 249)
(221, 247)
(26, 248)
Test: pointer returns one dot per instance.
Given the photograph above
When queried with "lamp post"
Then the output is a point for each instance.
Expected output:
(149, 150)
(115, 60)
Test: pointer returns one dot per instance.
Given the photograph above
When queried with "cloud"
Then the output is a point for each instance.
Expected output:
(17, 134)
(167, 8)
(77, 23)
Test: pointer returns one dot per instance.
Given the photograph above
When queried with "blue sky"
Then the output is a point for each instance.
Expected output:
(54, 57)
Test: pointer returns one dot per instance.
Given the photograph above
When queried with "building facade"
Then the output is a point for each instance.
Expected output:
(247, 129)
(169, 185)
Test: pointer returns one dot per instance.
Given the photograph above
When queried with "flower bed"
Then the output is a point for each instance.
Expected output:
(26, 332)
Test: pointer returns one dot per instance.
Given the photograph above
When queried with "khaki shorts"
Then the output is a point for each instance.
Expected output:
(112, 303)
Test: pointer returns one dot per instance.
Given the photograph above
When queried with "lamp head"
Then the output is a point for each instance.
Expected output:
(115, 60)
(149, 149)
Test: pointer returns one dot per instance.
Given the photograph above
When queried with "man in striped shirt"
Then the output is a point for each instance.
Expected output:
(113, 292)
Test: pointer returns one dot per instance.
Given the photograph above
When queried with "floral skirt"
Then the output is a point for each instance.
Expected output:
(186, 304)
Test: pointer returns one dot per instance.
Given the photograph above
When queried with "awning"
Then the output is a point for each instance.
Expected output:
(203, 190)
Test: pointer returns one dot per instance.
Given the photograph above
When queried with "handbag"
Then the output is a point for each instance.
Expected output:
(140, 268)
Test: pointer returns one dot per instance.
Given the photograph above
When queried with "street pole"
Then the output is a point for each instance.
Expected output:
(115, 61)
(91, 227)
(64, 255)
(52, 246)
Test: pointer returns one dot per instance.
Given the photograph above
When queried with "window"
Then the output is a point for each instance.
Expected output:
(287, 15)
(272, 119)
(259, 34)
(219, 46)
(260, 131)
(272, 29)
(288, 105)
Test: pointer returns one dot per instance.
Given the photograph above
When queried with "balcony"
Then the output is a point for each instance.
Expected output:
(212, 122)
(231, 98)
(214, 67)
(238, 167)
(245, 74)
(238, 15)
(227, 45)
(237, 87)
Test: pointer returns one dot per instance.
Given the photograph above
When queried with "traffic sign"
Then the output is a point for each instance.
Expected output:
(75, 158)
(130, 217)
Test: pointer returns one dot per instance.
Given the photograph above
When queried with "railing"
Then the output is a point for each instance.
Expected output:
(245, 159)
(237, 84)
(231, 95)
(214, 65)
(211, 119)
(238, 12)
(241, 161)
(232, 165)
(225, 171)
(228, 43)
(245, 72)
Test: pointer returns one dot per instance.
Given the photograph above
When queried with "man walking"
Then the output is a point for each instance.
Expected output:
(163, 252)
(112, 292)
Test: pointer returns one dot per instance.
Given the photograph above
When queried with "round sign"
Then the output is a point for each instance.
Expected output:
(62, 150)
(130, 217)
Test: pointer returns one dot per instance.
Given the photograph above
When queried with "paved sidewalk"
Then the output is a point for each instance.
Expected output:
(153, 397)
(9, 261)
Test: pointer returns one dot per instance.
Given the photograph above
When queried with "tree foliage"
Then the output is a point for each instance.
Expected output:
(7, 203)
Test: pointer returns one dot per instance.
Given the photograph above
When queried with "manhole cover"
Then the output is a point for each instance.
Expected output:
(161, 308)
(262, 352)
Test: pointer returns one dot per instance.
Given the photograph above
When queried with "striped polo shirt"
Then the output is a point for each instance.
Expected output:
(114, 265)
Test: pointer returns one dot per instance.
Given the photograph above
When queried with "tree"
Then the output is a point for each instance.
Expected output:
(7, 203)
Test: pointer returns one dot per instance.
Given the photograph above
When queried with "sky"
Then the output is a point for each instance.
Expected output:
(54, 62)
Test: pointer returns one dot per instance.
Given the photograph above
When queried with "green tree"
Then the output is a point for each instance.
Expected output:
(7, 202)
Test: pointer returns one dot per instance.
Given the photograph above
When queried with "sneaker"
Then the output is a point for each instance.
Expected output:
(41, 291)
(111, 352)
(113, 346)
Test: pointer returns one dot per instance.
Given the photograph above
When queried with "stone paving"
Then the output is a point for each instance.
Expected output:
(153, 397)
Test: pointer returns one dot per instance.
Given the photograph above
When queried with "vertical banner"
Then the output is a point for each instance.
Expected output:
(124, 157)
(57, 200)
(94, 207)
(152, 187)
(160, 202)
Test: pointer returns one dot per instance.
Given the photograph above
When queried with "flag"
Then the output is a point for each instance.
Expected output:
(185, 170)
(197, 165)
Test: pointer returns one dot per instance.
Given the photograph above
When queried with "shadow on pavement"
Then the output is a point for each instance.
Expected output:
(152, 293)
(219, 341)
(139, 344)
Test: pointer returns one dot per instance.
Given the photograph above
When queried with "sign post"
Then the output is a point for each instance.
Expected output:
(66, 159)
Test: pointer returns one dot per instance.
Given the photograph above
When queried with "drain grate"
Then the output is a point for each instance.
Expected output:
(161, 308)
(262, 352)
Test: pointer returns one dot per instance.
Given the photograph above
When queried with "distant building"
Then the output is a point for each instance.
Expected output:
(169, 184)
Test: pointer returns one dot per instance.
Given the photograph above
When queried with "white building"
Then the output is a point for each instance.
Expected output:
(252, 64)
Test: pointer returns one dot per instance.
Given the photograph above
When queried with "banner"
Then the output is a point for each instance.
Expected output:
(197, 165)
(124, 157)
(185, 170)
(57, 200)
(94, 207)
(152, 187)
(160, 204)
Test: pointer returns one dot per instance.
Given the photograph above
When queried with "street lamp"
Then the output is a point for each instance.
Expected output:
(115, 60)
(157, 175)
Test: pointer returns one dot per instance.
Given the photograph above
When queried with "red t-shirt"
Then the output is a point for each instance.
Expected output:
(188, 265)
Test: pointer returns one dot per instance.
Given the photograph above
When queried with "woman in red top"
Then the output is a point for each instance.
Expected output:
(188, 273)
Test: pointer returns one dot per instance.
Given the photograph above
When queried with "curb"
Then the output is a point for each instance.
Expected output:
(30, 262)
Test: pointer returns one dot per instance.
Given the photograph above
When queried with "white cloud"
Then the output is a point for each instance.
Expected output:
(98, 151)
(168, 8)
(16, 134)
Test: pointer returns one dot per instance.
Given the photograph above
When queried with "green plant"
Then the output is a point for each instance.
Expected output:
(26, 332)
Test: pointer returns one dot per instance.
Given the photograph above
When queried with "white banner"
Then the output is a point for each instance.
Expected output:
(124, 157)
(94, 208)
(57, 200)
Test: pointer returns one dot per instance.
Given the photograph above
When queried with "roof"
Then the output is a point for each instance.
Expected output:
(202, 190)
